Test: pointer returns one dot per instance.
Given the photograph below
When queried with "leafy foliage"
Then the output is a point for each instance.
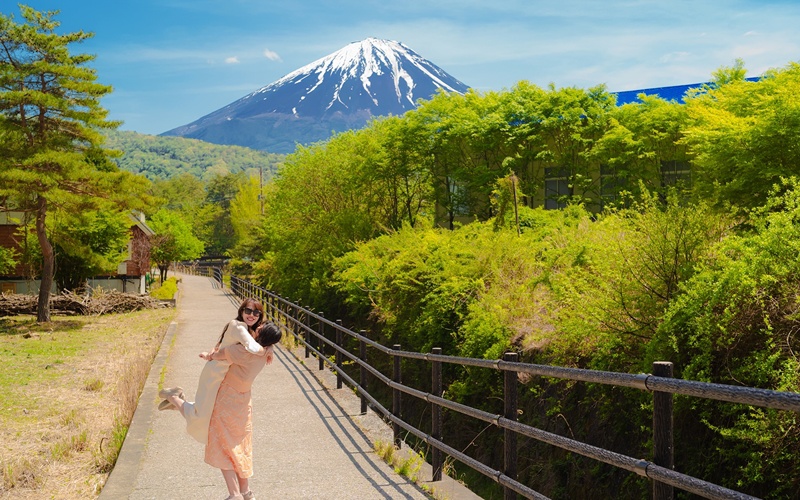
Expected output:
(166, 157)
(89, 244)
(173, 241)
(8, 259)
(743, 135)
(735, 323)
(50, 115)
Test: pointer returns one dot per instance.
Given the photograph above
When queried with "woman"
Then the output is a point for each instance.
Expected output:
(240, 330)
(229, 446)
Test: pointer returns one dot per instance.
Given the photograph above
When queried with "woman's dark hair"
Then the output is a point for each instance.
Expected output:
(269, 334)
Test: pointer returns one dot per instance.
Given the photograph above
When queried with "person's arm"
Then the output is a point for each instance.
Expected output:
(237, 354)
(241, 335)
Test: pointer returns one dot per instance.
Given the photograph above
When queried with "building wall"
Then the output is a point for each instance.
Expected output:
(9, 240)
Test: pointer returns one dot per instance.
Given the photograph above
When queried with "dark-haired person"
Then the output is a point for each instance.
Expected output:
(230, 431)
(240, 330)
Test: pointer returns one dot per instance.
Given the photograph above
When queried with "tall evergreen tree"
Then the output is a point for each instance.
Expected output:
(50, 144)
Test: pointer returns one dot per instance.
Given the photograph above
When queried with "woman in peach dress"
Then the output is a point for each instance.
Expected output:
(230, 430)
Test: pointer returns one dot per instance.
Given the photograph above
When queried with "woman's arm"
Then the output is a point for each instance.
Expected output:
(240, 334)
(236, 354)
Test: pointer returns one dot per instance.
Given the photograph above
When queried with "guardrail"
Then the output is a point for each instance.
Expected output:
(313, 329)
(199, 270)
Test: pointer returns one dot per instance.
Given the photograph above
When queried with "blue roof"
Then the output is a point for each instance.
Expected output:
(673, 93)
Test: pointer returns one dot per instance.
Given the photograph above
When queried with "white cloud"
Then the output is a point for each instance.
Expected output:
(232, 60)
(271, 55)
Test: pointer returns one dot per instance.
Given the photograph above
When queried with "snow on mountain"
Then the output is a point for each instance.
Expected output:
(340, 91)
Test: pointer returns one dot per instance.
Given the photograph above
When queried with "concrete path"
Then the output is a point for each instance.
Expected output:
(309, 439)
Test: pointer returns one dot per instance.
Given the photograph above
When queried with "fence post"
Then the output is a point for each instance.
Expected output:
(307, 333)
(436, 416)
(287, 314)
(663, 446)
(509, 436)
(339, 342)
(396, 400)
(320, 343)
(296, 316)
(362, 379)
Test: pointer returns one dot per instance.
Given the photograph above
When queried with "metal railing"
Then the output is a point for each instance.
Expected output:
(199, 270)
(309, 328)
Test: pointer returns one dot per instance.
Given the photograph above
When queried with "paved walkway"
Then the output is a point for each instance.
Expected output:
(309, 438)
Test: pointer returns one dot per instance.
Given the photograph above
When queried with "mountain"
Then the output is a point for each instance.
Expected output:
(338, 92)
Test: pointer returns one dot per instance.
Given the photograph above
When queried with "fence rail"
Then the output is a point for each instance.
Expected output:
(309, 329)
(214, 272)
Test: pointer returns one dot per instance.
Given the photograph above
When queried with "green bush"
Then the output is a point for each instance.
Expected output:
(167, 290)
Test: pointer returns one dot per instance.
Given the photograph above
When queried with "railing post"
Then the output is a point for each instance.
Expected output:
(339, 342)
(287, 314)
(436, 416)
(320, 343)
(663, 446)
(509, 436)
(295, 316)
(396, 400)
(362, 379)
(307, 333)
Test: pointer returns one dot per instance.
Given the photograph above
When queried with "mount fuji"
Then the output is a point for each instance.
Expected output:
(338, 92)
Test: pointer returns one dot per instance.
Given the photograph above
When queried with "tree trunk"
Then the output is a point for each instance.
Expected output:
(48, 262)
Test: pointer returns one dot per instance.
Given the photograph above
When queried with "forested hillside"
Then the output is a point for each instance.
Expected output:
(158, 157)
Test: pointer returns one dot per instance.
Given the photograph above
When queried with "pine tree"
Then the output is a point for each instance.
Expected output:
(51, 155)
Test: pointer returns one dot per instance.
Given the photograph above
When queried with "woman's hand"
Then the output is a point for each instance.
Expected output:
(270, 355)
(208, 356)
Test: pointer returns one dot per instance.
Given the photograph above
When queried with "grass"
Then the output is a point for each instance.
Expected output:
(69, 389)
(406, 464)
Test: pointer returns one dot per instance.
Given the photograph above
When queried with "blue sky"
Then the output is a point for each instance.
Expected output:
(173, 61)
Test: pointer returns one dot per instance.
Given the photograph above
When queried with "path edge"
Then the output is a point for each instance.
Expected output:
(122, 480)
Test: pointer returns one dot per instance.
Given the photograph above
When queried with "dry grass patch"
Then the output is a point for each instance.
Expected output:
(69, 389)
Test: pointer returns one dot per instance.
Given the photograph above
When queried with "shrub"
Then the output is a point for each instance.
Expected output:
(167, 290)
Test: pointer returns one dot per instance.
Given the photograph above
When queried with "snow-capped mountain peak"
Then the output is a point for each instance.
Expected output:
(367, 60)
(371, 77)
(373, 74)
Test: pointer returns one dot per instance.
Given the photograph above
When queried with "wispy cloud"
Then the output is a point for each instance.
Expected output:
(232, 60)
(271, 55)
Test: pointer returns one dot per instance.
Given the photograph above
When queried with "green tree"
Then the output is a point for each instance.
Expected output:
(86, 244)
(319, 206)
(399, 176)
(743, 135)
(7, 260)
(89, 243)
(214, 218)
(51, 147)
(173, 241)
(246, 218)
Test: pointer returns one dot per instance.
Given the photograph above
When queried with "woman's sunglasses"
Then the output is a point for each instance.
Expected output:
(252, 312)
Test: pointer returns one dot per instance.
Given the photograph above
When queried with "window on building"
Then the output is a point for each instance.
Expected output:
(458, 199)
(675, 173)
(556, 187)
(611, 184)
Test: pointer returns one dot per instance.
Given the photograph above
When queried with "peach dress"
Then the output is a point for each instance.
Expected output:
(230, 432)
(198, 412)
